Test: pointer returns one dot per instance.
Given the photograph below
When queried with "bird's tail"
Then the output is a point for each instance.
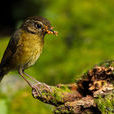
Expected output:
(3, 71)
(1, 75)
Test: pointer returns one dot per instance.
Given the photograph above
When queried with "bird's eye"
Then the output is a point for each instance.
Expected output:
(38, 26)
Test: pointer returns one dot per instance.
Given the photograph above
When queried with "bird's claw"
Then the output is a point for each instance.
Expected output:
(37, 89)
(47, 87)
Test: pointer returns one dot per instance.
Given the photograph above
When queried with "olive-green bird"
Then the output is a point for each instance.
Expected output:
(25, 46)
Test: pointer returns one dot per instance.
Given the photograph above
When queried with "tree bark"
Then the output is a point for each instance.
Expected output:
(93, 93)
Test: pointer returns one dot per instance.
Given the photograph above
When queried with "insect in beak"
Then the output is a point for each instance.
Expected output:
(51, 31)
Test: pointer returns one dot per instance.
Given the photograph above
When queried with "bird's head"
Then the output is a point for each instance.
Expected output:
(38, 25)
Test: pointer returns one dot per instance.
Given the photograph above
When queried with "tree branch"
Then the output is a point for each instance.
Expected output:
(93, 93)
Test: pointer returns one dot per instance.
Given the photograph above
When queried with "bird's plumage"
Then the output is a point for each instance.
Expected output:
(25, 45)
(22, 46)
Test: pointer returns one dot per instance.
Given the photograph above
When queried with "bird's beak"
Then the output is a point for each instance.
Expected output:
(51, 31)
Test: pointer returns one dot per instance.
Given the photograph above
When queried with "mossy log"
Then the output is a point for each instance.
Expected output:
(93, 93)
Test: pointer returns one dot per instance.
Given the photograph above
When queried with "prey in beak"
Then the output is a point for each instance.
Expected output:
(50, 31)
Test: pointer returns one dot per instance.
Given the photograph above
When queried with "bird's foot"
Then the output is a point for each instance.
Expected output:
(39, 88)
(47, 87)
(36, 91)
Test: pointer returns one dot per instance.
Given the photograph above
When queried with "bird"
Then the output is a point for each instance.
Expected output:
(25, 46)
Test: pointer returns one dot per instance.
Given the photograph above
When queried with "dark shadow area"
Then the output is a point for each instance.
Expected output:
(14, 11)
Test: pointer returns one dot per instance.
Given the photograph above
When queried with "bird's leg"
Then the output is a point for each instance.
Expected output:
(31, 77)
(21, 73)
(35, 80)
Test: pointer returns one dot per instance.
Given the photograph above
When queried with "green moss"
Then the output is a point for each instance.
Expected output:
(106, 104)
(64, 88)
(58, 94)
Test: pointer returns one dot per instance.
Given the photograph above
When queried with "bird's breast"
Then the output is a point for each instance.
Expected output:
(29, 49)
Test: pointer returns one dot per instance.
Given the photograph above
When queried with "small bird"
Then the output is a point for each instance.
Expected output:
(25, 46)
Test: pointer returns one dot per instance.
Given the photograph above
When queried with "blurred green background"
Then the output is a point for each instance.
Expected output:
(86, 37)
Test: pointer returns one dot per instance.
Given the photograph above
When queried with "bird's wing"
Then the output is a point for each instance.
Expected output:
(11, 48)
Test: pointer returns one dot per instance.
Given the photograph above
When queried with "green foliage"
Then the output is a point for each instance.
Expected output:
(3, 106)
(28, 105)
(85, 38)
